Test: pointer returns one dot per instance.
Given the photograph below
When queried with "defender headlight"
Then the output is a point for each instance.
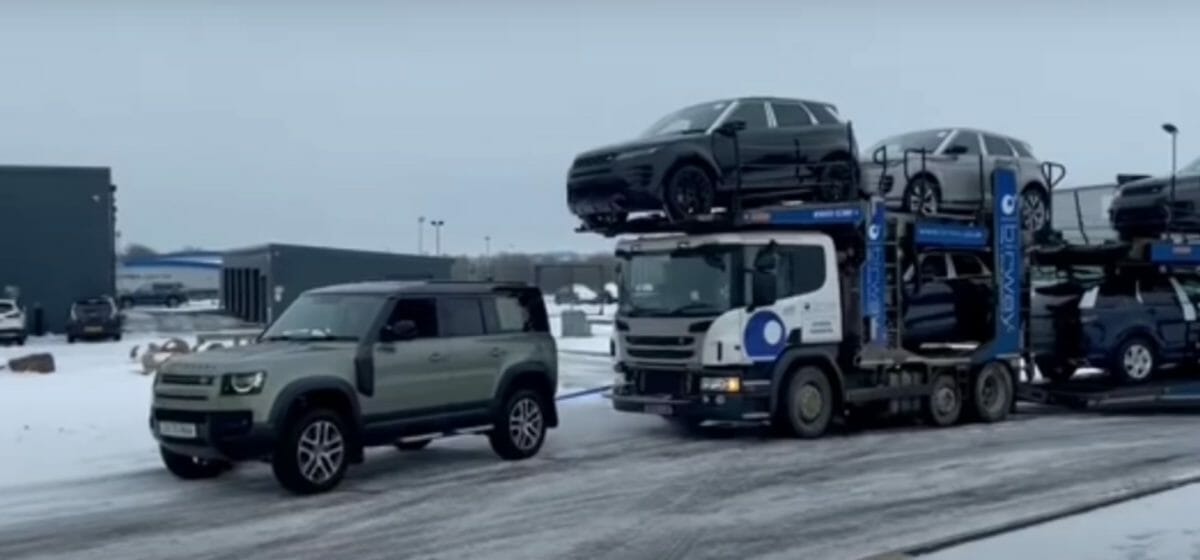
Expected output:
(243, 383)
(721, 384)
(636, 153)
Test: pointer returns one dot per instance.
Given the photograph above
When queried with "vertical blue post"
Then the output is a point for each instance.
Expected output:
(1008, 255)
(874, 276)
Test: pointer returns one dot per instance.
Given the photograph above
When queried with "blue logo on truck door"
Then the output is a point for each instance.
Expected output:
(873, 281)
(1008, 263)
(764, 336)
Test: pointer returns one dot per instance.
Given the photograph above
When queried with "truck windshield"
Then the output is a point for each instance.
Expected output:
(683, 283)
(696, 118)
(327, 317)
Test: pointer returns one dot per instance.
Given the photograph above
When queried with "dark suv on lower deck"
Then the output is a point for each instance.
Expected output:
(687, 162)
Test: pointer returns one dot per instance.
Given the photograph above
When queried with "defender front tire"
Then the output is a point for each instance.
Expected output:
(520, 430)
(191, 468)
(807, 404)
(312, 453)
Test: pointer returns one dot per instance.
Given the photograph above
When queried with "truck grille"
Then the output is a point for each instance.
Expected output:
(678, 350)
(192, 380)
(661, 382)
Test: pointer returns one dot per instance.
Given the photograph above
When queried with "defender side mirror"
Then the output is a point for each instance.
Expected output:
(398, 331)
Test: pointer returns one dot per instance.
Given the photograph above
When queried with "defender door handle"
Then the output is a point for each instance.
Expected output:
(436, 357)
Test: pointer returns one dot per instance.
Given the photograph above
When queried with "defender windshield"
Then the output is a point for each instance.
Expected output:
(927, 140)
(327, 317)
(683, 283)
(694, 119)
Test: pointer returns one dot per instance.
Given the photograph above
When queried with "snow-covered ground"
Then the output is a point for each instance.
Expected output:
(1158, 526)
(91, 415)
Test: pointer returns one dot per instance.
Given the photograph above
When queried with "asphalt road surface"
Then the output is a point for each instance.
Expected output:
(616, 486)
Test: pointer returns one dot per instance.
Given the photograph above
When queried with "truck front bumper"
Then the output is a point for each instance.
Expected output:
(751, 403)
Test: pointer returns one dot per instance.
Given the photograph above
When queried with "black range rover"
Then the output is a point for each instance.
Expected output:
(685, 163)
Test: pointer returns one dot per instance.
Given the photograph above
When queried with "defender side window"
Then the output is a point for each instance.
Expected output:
(1117, 291)
(1157, 290)
(997, 146)
(460, 316)
(421, 311)
(790, 114)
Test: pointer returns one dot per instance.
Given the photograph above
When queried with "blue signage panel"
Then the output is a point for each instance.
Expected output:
(955, 236)
(1008, 262)
(1175, 253)
(817, 216)
(874, 277)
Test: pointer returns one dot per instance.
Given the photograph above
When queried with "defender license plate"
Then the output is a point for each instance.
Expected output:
(179, 430)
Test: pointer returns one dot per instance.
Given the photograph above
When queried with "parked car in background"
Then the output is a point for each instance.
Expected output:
(12, 322)
(360, 365)
(1142, 207)
(1132, 323)
(958, 162)
(94, 318)
(169, 294)
(685, 163)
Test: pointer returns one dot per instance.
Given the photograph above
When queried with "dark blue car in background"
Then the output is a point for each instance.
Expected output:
(1133, 322)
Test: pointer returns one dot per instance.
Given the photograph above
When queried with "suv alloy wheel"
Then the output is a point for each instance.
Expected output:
(312, 455)
(521, 428)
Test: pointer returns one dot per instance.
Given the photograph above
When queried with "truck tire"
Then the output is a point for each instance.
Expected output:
(1134, 361)
(412, 445)
(943, 407)
(807, 404)
(191, 468)
(312, 452)
(992, 393)
(520, 429)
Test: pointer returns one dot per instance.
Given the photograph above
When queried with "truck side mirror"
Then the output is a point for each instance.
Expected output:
(762, 289)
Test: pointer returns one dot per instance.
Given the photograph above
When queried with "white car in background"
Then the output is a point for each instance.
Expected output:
(12, 322)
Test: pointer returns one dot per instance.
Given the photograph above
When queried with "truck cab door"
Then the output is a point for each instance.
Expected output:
(808, 293)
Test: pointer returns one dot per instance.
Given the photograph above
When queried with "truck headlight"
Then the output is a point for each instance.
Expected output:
(243, 383)
(721, 384)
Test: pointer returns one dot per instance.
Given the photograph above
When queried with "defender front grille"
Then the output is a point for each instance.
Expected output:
(193, 380)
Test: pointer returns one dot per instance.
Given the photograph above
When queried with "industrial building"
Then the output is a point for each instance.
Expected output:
(198, 272)
(1081, 213)
(258, 283)
(57, 239)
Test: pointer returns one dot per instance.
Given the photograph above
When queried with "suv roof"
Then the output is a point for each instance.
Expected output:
(417, 287)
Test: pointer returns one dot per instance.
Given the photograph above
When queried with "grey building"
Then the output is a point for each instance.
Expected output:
(57, 238)
(258, 283)
(1081, 213)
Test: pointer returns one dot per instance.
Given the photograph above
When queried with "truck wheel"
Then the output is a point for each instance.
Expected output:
(191, 468)
(1135, 360)
(992, 393)
(521, 428)
(688, 192)
(807, 405)
(943, 407)
(413, 445)
(311, 455)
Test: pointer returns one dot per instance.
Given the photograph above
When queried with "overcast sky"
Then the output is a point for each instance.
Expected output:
(339, 123)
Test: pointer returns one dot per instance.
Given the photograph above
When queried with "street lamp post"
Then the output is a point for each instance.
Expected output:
(421, 235)
(1174, 132)
(437, 235)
